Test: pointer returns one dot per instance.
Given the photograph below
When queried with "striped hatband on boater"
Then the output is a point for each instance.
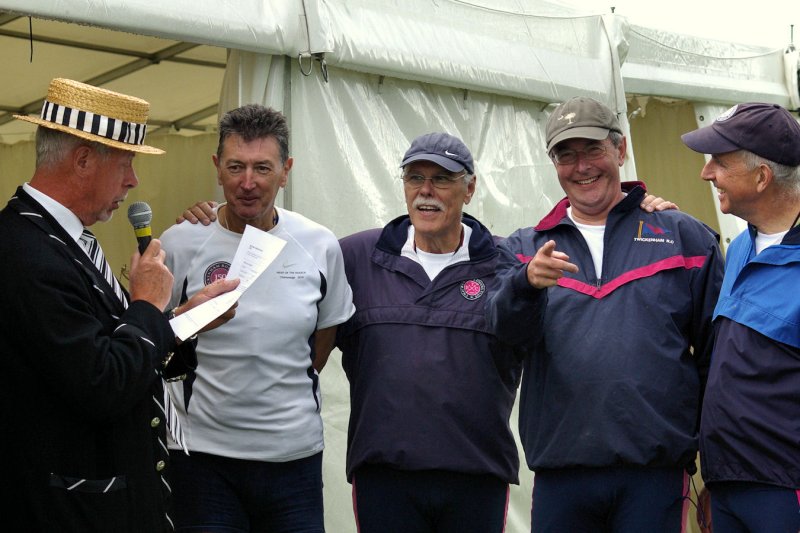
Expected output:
(95, 114)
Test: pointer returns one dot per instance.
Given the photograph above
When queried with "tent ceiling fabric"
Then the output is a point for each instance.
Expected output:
(541, 50)
(538, 51)
(181, 80)
(173, 54)
(266, 26)
(681, 66)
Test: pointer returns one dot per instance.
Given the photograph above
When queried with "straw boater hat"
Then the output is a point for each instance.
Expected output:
(95, 114)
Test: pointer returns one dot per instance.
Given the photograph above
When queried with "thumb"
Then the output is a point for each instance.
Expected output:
(222, 286)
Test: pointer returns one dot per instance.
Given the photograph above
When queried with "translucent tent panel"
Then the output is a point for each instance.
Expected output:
(667, 64)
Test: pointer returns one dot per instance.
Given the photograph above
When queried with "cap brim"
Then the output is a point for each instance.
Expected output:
(449, 164)
(581, 132)
(139, 148)
(708, 141)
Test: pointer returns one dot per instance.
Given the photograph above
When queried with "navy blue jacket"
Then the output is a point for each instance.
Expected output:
(612, 379)
(750, 427)
(430, 386)
(81, 396)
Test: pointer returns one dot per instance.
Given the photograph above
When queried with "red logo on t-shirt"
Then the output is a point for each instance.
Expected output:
(472, 289)
(216, 271)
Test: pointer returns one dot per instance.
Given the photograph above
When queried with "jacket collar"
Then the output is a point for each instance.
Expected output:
(395, 233)
(635, 192)
(792, 237)
(26, 206)
(32, 211)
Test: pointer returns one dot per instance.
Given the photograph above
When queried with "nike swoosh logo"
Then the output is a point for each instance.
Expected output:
(449, 153)
(285, 265)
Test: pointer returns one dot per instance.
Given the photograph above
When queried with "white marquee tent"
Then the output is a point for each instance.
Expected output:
(358, 80)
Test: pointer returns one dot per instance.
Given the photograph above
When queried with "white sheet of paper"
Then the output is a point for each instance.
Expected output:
(256, 251)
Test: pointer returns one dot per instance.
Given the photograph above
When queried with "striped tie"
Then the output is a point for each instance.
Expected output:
(95, 253)
(173, 420)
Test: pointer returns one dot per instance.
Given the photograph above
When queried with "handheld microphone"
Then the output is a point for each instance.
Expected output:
(140, 216)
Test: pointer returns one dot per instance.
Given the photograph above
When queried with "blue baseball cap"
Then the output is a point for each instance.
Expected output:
(441, 148)
(767, 130)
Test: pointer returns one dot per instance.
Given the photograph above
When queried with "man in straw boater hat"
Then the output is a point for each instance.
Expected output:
(83, 412)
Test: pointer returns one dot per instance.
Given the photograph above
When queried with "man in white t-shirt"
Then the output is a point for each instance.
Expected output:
(251, 416)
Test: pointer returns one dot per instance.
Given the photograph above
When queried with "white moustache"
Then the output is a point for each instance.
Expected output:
(427, 202)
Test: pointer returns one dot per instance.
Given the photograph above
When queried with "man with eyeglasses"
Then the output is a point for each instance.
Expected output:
(615, 306)
(430, 448)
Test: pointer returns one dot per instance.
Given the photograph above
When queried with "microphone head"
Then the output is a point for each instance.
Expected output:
(139, 214)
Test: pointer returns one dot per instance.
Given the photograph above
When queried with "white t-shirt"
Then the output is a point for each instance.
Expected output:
(765, 240)
(593, 235)
(432, 263)
(256, 395)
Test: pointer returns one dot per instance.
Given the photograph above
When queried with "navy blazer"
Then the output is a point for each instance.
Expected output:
(82, 420)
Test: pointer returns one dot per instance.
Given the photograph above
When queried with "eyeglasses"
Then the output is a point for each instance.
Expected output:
(570, 157)
(440, 181)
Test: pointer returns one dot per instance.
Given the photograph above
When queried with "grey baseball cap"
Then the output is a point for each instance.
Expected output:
(580, 117)
(440, 148)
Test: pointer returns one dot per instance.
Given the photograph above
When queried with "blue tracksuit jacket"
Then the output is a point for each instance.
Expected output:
(430, 386)
(751, 415)
(616, 374)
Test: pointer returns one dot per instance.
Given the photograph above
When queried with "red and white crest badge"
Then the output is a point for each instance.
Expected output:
(472, 289)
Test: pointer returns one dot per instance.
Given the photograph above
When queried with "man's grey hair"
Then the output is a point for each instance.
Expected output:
(53, 145)
(786, 177)
(254, 121)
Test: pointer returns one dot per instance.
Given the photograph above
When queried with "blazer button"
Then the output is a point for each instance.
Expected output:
(155, 422)
(161, 465)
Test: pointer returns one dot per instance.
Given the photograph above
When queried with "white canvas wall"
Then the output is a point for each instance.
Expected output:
(486, 70)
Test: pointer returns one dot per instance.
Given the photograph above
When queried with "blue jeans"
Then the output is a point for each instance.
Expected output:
(739, 507)
(220, 494)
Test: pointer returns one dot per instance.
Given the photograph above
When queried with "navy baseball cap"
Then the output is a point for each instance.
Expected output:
(767, 130)
(440, 148)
